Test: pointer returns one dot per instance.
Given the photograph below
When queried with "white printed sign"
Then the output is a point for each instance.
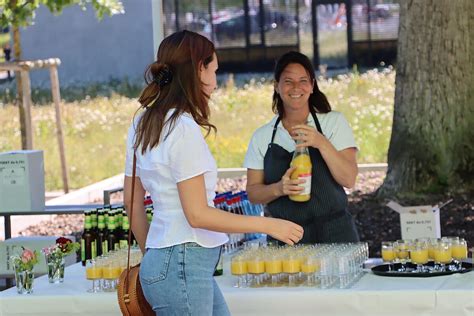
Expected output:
(13, 176)
(418, 221)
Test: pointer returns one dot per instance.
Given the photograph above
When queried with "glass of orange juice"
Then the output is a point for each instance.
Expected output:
(273, 267)
(443, 254)
(292, 267)
(110, 272)
(256, 269)
(402, 251)
(432, 245)
(459, 252)
(238, 267)
(419, 255)
(309, 267)
(388, 253)
(93, 273)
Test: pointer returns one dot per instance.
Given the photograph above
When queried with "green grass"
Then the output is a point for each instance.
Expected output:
(95, 128)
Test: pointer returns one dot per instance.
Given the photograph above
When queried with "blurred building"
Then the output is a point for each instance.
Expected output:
(249, 35)
(117, 47)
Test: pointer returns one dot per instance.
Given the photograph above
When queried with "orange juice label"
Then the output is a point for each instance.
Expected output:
(307, 184)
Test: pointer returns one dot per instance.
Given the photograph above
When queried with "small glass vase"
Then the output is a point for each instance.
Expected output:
(24, 280)
(55, 266)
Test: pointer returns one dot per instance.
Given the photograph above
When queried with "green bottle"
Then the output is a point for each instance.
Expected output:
(88, 240)
(102, 247)
(220, 267)
(112, 237)
(124, 233)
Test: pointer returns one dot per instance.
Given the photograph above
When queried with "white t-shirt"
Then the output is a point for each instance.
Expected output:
(182, 155)
(333, 124)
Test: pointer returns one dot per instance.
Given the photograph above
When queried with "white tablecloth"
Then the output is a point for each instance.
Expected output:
(371, 295)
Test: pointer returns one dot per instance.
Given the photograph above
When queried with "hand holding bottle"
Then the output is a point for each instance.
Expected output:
(285, 231)
(307, 136)
(303, 170)
(290, 186)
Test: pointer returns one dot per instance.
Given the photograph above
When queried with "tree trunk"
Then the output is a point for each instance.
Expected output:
(17, 57)
(432, 143)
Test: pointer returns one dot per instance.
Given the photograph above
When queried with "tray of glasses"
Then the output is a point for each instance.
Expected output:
(429, 270)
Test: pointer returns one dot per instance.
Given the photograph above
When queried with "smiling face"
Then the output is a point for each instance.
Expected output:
(208, 75)
(294, 87)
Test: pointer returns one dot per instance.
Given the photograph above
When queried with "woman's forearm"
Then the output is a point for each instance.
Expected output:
(260, 193)
(341, 164)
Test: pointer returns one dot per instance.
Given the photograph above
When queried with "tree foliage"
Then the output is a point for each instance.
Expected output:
(22, 12)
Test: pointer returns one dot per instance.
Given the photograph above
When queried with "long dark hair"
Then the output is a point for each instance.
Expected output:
(173, 82)
(317, 101)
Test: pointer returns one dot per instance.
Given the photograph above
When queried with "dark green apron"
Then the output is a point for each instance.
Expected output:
(324, 217)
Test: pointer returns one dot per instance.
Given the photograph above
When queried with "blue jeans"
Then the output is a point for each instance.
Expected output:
(178, 280)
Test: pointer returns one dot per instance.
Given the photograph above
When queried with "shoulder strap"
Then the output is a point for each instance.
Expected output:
(316, 121)
(131, 219)
(275, 129)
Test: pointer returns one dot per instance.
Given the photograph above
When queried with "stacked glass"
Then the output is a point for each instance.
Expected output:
(320, 265)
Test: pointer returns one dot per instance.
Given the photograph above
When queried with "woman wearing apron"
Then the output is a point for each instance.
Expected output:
(303, 113)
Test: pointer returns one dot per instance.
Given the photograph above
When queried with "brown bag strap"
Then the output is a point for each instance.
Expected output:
(131, 220)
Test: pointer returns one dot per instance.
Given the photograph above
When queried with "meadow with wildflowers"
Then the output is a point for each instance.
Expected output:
(95, 128)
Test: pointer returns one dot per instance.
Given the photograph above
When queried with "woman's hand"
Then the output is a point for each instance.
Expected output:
(285, 231)
(309, 135)
(289, 186)
(342, 164)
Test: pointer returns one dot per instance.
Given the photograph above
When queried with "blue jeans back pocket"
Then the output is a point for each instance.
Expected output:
(154, 266)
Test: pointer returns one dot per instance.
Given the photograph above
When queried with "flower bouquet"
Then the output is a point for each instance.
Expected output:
(23, 265)
(55, 255)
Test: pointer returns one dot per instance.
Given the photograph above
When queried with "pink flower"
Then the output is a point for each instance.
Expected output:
(27, 255)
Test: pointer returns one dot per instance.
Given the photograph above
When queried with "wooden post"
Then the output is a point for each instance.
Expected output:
(26, 104)
(53, 71)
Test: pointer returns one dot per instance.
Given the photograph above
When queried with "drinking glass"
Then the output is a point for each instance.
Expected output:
(273, 267)
(419, 255)
(402, 248)
(256, 269)
(443, 255)
(93, 273)
(238, 267)
(388, 253)
(433, 244)
(291, 266)
(109, 274)
(309, 267)
(459, 252)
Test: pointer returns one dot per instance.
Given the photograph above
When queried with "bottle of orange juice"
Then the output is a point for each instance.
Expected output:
(302, 162)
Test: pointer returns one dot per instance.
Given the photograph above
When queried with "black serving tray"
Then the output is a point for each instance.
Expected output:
(384, 270)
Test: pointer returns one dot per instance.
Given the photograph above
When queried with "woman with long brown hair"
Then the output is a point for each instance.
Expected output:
(173, 163)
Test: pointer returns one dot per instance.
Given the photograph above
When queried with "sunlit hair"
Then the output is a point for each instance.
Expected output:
(317, 101)
(173, 81)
